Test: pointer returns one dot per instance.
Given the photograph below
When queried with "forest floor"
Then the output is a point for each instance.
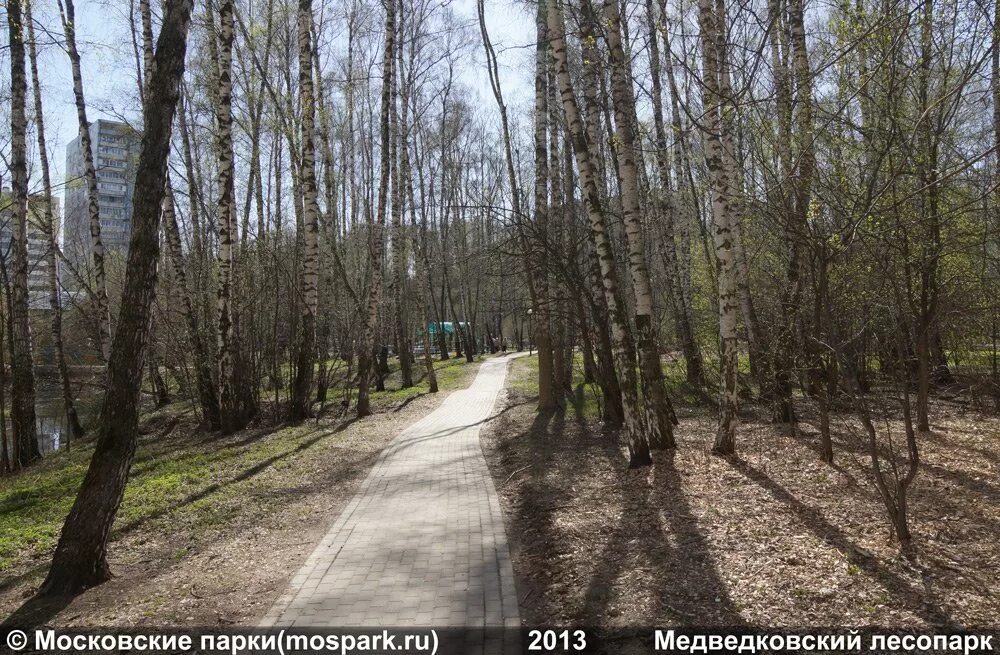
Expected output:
(212, 527)
(772, 538)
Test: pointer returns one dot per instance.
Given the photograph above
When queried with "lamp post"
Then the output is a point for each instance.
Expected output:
(531, 333)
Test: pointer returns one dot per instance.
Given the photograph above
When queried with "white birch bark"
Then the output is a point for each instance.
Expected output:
(722, 227)
(22, 370)
(309, 272)
(660, 417)
(233, 413)
(68, 15)
(633, 416)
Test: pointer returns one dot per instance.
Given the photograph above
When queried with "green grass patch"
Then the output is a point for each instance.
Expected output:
(585, 399)
(196, 481)
(451, 374)
(197, 484)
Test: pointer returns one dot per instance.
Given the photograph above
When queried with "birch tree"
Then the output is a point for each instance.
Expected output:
(723, 219)
(74, 427)
(234, 412)
(300, 401)
(624, 350)
(100, 285)
(22, 387)
(660, 417)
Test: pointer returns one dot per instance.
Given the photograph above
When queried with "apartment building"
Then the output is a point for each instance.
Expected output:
(116, 153)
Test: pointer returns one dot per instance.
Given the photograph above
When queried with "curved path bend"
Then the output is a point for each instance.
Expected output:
(422, 543)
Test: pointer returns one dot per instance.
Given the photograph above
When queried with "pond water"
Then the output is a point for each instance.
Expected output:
(50, 415)
(52, 426)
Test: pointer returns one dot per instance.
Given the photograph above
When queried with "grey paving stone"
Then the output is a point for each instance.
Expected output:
(422, 543)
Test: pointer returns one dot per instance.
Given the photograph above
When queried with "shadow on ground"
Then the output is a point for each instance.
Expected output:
(588, 535)
(772, 538)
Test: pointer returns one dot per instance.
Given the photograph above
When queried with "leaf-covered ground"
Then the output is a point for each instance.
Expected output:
(773, 538)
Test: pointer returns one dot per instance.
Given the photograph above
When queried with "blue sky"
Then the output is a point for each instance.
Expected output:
(105, 49)
(109, 68)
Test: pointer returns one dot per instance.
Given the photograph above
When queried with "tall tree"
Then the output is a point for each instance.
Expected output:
(51, 233)
(538, 246)
(592, 65)
(80, 559)
(234, 413)
(22, 383)
(624, 349)
(660, 417)
(418, 229)
(376, 239)
(309, 272)
(723, 219)
(400, 250)
(929, 202)
(100, 285)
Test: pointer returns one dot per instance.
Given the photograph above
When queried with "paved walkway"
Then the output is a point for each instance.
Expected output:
(422, 543)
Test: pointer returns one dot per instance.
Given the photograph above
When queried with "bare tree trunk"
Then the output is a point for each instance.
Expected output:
(233, 411)
(823, 362)
(556, 247)
(349, 108)
(80, 559)
(159, 385)
(90, 179)
(421, 263)
(995, 93)
(793, 230)
(660, 417)
(51, 230)
(399, 241)
(8, 457)
(207, 393)
(191, 178)
(722, 221)
(797, 173)
(423, 294)
(299, 406)
(22, 387)
(331, 230)
(614, 412)
(376, 240)
(539, 244)
(623, 349)
(530, 238)
(928, 198)
(147, 44)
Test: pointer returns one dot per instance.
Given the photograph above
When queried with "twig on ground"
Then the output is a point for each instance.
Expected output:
(509, 477)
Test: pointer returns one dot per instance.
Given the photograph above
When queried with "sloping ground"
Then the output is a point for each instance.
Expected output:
(211, 527)
(774, 539)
